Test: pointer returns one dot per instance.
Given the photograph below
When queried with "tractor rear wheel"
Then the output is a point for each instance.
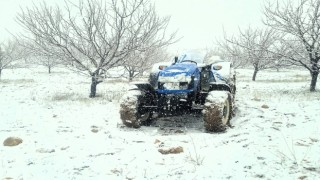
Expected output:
(217, 110)
(132, 111)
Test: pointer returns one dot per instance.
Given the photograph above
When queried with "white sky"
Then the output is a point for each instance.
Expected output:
(199, 22)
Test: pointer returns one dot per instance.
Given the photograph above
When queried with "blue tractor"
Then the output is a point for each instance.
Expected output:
(186, 85)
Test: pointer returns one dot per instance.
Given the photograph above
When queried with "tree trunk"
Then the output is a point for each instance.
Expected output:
(131, 73)
(94, 82)
(93, 88)
(0, 73)
(254, 74)
(314, 78)
(49, 69)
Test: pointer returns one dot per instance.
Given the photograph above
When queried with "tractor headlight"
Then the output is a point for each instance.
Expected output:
(163, 79)
(177, 78)
(177, 82)
(174, 85)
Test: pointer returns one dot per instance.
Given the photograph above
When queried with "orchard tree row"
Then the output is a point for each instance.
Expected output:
(291, 37)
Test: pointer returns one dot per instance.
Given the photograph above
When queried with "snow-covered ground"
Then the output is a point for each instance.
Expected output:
(66, 135)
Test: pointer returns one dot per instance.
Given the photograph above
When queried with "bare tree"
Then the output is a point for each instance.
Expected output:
(139, 62)
(47, 61)
(299, 21)
(94, 36)
(10, 54)
(40, 53)
(209, 53)
(232, 53)
(253, 47)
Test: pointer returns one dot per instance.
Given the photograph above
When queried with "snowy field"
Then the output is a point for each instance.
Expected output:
(274, 135)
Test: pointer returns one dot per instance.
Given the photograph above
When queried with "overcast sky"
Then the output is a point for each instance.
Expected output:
(199, 22)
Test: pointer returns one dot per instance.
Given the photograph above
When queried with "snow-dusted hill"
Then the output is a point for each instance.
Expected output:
(66, 135)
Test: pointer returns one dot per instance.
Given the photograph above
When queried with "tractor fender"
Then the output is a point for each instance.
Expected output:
(143, 87)
(214, 86)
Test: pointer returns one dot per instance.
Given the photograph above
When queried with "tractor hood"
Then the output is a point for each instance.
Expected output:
(186, 69)
(178, 78)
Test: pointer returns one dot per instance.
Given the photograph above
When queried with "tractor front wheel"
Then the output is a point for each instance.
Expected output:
(132, 111)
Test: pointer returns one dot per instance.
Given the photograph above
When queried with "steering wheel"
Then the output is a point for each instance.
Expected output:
(189, 61)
